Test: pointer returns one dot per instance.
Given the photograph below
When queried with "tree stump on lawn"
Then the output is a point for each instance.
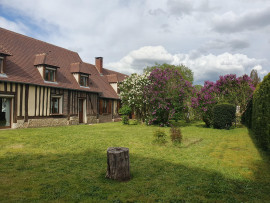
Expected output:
(118, 163)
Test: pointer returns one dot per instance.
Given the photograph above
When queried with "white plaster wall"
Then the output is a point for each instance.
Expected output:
(76, 76)
(31, 101)
(114, 86)
(40, 70)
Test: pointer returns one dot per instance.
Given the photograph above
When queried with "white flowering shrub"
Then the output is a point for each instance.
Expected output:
(132, 93)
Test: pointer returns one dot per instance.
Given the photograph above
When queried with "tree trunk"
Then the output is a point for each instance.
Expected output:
(118, 163)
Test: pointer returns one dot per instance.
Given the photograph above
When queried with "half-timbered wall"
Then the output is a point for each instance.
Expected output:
(33, 102)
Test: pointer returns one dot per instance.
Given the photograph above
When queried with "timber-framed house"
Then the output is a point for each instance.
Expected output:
(45, 85)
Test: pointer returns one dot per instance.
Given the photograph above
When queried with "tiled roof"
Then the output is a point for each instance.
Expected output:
(4, 51)
(112, 78)
(120, 76)
(80, 67)
(45, 59)
(28, 52)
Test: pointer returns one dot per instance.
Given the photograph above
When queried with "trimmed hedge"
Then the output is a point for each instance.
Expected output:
(246, 117)
(261, 112)
(223, 116)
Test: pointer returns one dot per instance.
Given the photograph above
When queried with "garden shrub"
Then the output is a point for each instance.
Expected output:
(176, 135)
(208, 118)
(223, 116)
(261, 112)
(160, 136)
(228, 89)
(125, 119)
(125, 111)
(135, 122)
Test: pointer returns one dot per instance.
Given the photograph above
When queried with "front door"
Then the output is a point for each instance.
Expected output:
(80, 110)
(5, 112)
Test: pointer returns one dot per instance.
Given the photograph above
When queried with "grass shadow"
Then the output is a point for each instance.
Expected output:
(265, 154)
(81, 177)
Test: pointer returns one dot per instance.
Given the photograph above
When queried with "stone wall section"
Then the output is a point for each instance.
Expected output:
(105, 118)
(92, 119)
(47, 122)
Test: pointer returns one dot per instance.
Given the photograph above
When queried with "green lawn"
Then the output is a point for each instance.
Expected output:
(68, 164)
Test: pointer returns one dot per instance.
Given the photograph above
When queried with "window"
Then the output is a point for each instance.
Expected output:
(55, 105)
(5, 112)
(105, 106)
(49, 74)
(1, 65)
(84, 80)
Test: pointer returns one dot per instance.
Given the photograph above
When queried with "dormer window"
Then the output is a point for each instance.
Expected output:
(1, 64)
(81, 72)
(46, 66)
(4, 53)
(84, 80)
(49, 74)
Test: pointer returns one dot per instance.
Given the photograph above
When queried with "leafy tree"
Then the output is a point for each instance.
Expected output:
(234, 90)
(204, 102)
(167, 95)
(255, 78)
(132, 93)
(228, 88)
(185, 72)
(198, 87)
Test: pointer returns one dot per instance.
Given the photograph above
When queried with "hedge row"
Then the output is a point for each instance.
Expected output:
(223, 116)
(257, 115)
(247, 115)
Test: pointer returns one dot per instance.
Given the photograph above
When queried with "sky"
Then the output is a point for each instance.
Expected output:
(210, 37)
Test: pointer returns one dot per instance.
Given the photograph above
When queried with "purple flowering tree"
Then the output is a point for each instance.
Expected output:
(228, 89)
(235, 90)
(167, 95)
(205, 100)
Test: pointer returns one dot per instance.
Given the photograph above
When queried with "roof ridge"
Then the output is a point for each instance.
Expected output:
(22, 35)
(115, 72)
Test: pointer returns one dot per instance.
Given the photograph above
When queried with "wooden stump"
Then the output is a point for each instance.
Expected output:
(118, 163)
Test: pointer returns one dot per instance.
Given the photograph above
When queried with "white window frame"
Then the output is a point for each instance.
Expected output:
(49, 68)
(60, 99)
(86, 76)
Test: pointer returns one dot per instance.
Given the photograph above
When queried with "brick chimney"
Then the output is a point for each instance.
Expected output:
(99, 64)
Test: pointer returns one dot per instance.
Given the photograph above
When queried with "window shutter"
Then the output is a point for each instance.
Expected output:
(100, 106)
(110, 106)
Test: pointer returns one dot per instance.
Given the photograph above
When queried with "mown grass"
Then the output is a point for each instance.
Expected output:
(68, 164)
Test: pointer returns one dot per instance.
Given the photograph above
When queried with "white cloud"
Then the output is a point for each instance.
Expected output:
(13, 26)
(113, 29)
(209, 67)
(249, 20)
(180, 7)
(139, 59)
(205, 67)
(260, 70)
